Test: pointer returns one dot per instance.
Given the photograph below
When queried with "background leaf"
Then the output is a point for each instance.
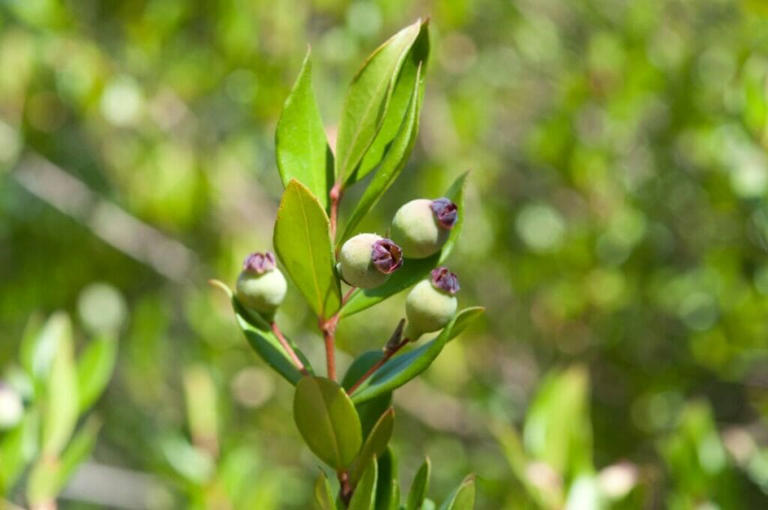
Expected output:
(303, 243)
(327, 420)
(267, 346)
(404, 367)
(17, 449)
(300, 143)
(367, 98)
(413, 270)
(94, 369)
(393, 163)
(61, 397)
(419, 487)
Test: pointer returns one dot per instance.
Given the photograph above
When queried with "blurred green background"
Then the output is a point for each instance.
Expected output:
(616, 230)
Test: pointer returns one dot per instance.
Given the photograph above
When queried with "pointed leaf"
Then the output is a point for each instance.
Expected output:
(374, 444)
(17, 449)
(364, 497)
(61, 398)
(401, 369)
(411, 75)
(463, 497)
(413, 270)
(387, 488)
(367, 100)
(94, 369)
(303, 243)
(419, 487)
(300, 143)
(266, 344)
(38, 346)
(323, 495)
(326, 419)
(393, 164)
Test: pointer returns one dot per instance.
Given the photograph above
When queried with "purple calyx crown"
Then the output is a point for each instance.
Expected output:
(445, 211)
(386, 256)
(259, 263)
(444, 280)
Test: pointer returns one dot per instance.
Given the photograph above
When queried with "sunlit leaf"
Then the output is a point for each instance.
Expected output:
(364, 497)
(323, 495)
(374, 444)
(419, 487)
(463, 497)
(300, 143)
(94, 369)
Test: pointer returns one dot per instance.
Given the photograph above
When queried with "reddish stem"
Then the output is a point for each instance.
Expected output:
(335, 196)
(288, 349)
(328, 327)
(347, 296)
(388, 353)
(345, 488)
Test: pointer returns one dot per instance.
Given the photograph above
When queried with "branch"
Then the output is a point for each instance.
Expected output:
(328, 327)
(288, 349)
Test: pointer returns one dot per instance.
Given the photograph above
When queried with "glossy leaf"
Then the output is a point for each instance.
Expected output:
(300, 143)
(374, 444)
(267, 346)
(367, 99)
(370, 411)
(419, 487)
(327, 420)
(364, 497)
(61, 397)
(401, 369)
(462, 497)
(393, 163)
(411, 76)
(387, 487)
(94, 369)
(413, 270)
(303, 243)
(323, 494)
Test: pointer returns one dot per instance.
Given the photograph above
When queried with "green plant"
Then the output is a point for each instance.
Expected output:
(348, 425)
(44, 442)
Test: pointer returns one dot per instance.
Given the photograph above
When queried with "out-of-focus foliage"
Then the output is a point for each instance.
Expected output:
(616, 217)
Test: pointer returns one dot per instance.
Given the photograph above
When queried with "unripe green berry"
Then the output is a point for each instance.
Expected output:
(431, 304)
(367, 260)
(11, 407)
(261, 286)
(422, 226)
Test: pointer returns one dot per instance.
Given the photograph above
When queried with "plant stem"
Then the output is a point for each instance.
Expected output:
(328, 327)
(388, 353)
(345, 490)
(335, 196)
(347, 296)
(288, 349)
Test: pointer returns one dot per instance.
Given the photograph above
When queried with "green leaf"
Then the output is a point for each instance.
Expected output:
(303, 243)
(323, 495)
(38, 346)
(419, 487)
(411, 76)
(374, 445)
(364, 497)
(413, 270)
(17, 449)
(94, 369)
(387, 488)
(370, 411)
(327, 420)
(266, 344)
(200, 400)
(367, 99)
(557, 427)
(48, 479)
(464, 319)
(393, 164)
(401, 369)
(300, 143)
(61, 398)
(462, 497)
